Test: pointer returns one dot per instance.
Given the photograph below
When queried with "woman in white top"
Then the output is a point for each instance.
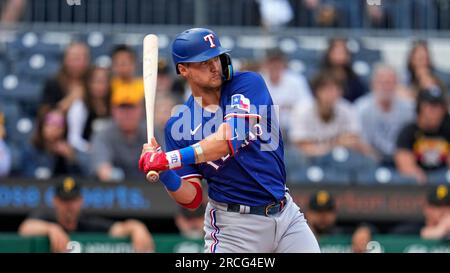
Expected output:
(87, 115)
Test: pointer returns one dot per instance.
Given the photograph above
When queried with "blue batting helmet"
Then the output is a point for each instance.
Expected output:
(196, 45)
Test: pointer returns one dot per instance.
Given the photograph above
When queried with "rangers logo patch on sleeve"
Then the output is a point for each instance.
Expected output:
(240, 102)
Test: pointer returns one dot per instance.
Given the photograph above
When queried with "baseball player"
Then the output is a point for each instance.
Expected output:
(249, 208)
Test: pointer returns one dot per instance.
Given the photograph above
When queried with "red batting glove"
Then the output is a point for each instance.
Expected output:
(153, 161)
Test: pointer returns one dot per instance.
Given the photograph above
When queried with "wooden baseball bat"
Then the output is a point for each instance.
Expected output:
(150, 72)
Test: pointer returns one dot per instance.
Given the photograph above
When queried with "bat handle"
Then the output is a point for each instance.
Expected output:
(152, 176)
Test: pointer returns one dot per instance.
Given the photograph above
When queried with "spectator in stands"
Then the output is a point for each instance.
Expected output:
(5, 156)
(12, 11)
(287, 88)
(383, 113)
(327, 15)
(165, 79)
(89, 113)
(423, 145)
(190, 223)
(436, 212)
(327, 122)
(116, 148)
(275, 13)
(49, 154)
(124, 71)
(322, 218)
(165, 104)
(337, 60)
(322, 214)
(360, 238)
(69, 84)
(421, 71)
(67, 217)
(378, 16)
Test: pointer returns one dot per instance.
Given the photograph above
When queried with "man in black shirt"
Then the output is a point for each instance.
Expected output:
(322, 214)
(67, 217)
(424, 145)
(436, 214)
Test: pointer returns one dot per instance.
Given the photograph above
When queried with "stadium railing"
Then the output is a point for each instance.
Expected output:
(172, 243)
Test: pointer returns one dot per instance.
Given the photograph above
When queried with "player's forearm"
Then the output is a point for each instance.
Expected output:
(35, 227)
(215, 146)
(433, 233)
(185, 194)
(126, 228)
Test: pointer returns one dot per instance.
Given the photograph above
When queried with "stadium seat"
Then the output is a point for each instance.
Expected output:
(19, 129)
(363, 69)
(368, 55)
(445, 77)
(29, 43)
(382, 175)
(99, 43)
(243, 53)
(310, 57)
(36, 68)
(24, 92)
(343, 159)
(315, 174)
(3, 67)
(438, 177)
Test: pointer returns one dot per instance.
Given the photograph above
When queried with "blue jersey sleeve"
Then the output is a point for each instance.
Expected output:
(248, 97)
(248, 109)
(187, 171)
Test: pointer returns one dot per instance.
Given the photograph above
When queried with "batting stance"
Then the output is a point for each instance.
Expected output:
(249, 208)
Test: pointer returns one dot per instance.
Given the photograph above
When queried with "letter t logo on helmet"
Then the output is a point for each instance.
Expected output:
(199, 45)
(210, 38)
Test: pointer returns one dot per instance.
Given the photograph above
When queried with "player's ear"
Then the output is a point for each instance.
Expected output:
(183, 69)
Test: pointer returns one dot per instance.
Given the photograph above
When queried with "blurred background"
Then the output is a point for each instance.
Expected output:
(362, 88)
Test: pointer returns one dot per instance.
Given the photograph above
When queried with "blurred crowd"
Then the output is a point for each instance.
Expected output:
(392, 128)
(322, 213)
(270, 14)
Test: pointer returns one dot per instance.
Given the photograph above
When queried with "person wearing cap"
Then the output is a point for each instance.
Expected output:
(436, 213)
(116, 148)
(5, 155)
(424, 145)
(322, 214)
(67, 217)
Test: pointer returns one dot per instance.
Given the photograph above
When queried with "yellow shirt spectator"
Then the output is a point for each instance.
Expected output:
(134, 88)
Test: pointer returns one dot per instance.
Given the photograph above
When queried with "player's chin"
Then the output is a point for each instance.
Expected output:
(216, 82)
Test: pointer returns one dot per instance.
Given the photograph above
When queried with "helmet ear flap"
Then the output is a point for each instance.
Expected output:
(227, 67)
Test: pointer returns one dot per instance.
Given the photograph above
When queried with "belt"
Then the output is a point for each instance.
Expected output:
(267, 210)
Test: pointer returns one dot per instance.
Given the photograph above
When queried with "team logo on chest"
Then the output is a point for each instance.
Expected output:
(210, 38)
(240, 102)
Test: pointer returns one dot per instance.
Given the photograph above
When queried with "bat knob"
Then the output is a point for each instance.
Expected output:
(152, 176)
